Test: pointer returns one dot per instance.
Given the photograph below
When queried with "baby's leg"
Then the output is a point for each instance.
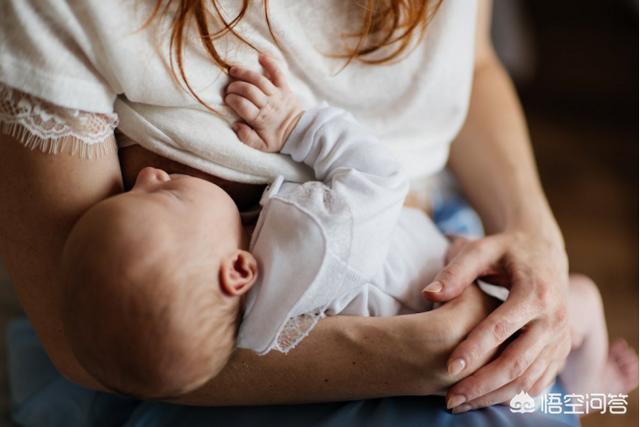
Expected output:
(594, 366)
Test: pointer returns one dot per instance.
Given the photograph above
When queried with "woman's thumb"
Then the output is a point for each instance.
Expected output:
(472, 260)
(446, 285)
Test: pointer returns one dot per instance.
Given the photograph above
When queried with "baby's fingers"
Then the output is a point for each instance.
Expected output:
(248, 91)
(248, 136)
(271, 67)
(244, 108)
(256, 79)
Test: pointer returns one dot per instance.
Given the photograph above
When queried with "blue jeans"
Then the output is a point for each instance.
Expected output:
(40, 396)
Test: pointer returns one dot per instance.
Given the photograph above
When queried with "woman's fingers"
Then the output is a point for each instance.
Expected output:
(248, 91)
(256, 79)
(559, 353)
(545, 381)
(472, 261)
(505, 393)
(515, 364)
(533, 379)
(272, 69)
(535, 270)
(244, 108)
(505, 320)
(248, 136)
(457, 243)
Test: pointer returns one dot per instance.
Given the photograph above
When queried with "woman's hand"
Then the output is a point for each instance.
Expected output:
(535, 270)
(492, 160)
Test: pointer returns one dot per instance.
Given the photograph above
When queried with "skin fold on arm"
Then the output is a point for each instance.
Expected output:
(43, 195)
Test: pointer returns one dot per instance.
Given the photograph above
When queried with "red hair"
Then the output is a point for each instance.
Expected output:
(393, 25)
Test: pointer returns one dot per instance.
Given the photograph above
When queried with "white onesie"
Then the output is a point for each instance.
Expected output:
(343, 244)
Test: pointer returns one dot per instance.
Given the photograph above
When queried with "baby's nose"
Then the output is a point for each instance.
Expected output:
(152, 176)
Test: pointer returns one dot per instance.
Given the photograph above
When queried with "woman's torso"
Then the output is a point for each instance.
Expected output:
(94, 53)
(414, 106)
(89, 54)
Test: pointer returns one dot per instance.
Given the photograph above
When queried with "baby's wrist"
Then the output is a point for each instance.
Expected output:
(289, 126)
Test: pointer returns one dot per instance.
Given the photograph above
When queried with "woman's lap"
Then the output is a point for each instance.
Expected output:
(41, 396)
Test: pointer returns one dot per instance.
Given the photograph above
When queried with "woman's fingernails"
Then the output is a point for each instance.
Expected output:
(462, 408)
(435, 287)
(455, 401)
(456, 366)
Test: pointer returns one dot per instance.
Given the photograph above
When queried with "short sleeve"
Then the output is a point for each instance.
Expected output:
(52, 129)
(303, 244)
(47, 50)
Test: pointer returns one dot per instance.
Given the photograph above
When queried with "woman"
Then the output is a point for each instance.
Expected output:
(64, 59)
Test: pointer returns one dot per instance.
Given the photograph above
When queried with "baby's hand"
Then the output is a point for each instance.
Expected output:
(267, 106)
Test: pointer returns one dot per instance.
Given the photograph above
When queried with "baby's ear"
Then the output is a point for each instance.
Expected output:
(238, 272)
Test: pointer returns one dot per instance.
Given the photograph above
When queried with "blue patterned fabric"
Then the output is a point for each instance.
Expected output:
(40, 396)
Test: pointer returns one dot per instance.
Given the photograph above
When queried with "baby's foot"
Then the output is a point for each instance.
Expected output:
(621, 369)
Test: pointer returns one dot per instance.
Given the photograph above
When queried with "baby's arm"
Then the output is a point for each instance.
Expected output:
(354, 167)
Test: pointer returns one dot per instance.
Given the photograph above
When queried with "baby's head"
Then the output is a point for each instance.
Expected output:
(153, 281)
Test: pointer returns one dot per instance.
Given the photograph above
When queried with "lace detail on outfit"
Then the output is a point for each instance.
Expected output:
(40, 125)
(332, 279)
(295, 330)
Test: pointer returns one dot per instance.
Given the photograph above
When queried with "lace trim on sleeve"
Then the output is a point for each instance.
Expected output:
(39, 125)
(296, 329)
(335, 276)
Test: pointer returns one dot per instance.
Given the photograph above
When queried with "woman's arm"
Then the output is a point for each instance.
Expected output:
(347, 358)
(493, 161)
(42, 196)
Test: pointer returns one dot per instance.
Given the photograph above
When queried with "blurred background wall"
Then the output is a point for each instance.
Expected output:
(575, 64)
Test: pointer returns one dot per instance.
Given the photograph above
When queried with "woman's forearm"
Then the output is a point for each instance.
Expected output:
(492, 156)
(493, 161)
(343, 358)
(348, 358)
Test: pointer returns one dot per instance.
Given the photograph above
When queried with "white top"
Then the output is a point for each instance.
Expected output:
(90, 55)
(340, 245)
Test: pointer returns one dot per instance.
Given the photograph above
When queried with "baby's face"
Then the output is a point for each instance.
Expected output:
(186, 204)
(164, 218)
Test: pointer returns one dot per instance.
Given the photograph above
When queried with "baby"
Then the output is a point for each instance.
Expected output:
(178, 284)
